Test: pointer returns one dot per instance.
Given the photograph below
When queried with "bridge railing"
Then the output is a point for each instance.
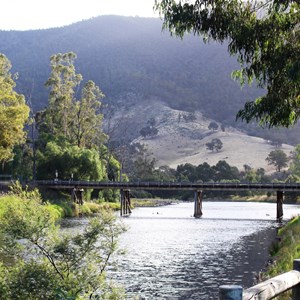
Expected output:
(267, 289)
(173, 185)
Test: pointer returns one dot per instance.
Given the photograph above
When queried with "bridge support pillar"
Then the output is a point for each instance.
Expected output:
(125, 203)
(77, 195)
(279, 214)
(198, 204)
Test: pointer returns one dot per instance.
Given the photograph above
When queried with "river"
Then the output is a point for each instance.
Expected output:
(171, 255)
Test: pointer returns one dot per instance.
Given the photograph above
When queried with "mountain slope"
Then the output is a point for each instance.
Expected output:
(179, 142)
(131, 55)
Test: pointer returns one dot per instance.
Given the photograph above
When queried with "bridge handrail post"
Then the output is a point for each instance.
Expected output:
(230, 292)
(296, 289)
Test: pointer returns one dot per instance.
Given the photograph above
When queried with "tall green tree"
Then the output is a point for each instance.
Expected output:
(13, 112)
(78, 121)
(265, 37)
(87, 119)
(70, 129)
(62, 83)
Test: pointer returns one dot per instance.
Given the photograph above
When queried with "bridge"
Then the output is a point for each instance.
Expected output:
(125, 188)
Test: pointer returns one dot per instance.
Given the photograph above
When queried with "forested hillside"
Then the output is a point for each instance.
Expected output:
(133, 58)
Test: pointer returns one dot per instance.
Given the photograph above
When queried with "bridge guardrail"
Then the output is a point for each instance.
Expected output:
(171, 185)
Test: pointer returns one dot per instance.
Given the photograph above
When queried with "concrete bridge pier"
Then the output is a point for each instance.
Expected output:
(279, 214)
(198, 204)
(125, 203)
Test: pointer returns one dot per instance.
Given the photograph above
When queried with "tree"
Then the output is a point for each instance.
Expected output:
(214, 145)
(70, 129)
(13, 113)
(223, 171)
(186, 172)
(295, 166)
(87, 121)
(84, 164)
(213, 126)
(79, 121)
(205, 172)
(265, 37)
(278, 158)
(62, 82)
(49, 264)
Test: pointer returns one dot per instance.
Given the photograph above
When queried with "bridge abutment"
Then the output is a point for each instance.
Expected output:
(198, 204)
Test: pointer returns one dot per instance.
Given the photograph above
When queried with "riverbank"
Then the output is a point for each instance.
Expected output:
(284, 251)
(155, 202)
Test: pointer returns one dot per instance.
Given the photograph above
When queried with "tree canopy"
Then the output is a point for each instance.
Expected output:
(278, 158)
(265, 37)
(13, 112)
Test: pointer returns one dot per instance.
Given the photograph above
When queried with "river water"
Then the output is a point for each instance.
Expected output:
(171, 255)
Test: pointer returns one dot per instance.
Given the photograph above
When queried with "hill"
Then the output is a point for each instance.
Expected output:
(180, 140)
(142, 69)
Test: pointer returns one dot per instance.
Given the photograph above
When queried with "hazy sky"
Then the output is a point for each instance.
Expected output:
(40, 14)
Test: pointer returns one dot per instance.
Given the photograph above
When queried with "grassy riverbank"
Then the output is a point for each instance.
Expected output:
(284, 251)
(66, 209)
(152, 202)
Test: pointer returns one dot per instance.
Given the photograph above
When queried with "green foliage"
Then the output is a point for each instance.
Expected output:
(222, 171)
(265, 38)
(295, 166)
(13, 113)
(285, 251)
(70, 135)
(49, 264)
(84, 164)
(62, 82)
(278, 158)
(77, 120)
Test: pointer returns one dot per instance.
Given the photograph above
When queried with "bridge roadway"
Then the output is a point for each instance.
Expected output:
(69, 184)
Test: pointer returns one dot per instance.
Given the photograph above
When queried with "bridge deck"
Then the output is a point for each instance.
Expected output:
(63, 184)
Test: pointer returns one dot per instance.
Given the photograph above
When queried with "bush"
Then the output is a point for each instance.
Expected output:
(64, 266)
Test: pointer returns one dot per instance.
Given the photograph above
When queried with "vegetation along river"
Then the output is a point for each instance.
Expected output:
(171, 255)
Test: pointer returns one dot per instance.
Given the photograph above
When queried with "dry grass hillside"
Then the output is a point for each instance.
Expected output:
(179, 141)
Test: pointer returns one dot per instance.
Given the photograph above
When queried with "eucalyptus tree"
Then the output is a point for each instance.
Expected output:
(13, 112)
(71, 125)
(265, 37)
(79, 121)
(86, 124)
(62, 83)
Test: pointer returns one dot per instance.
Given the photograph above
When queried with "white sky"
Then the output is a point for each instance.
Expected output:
(40, 14)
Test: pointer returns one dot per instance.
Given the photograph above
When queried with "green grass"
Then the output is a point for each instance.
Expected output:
(285, 251)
